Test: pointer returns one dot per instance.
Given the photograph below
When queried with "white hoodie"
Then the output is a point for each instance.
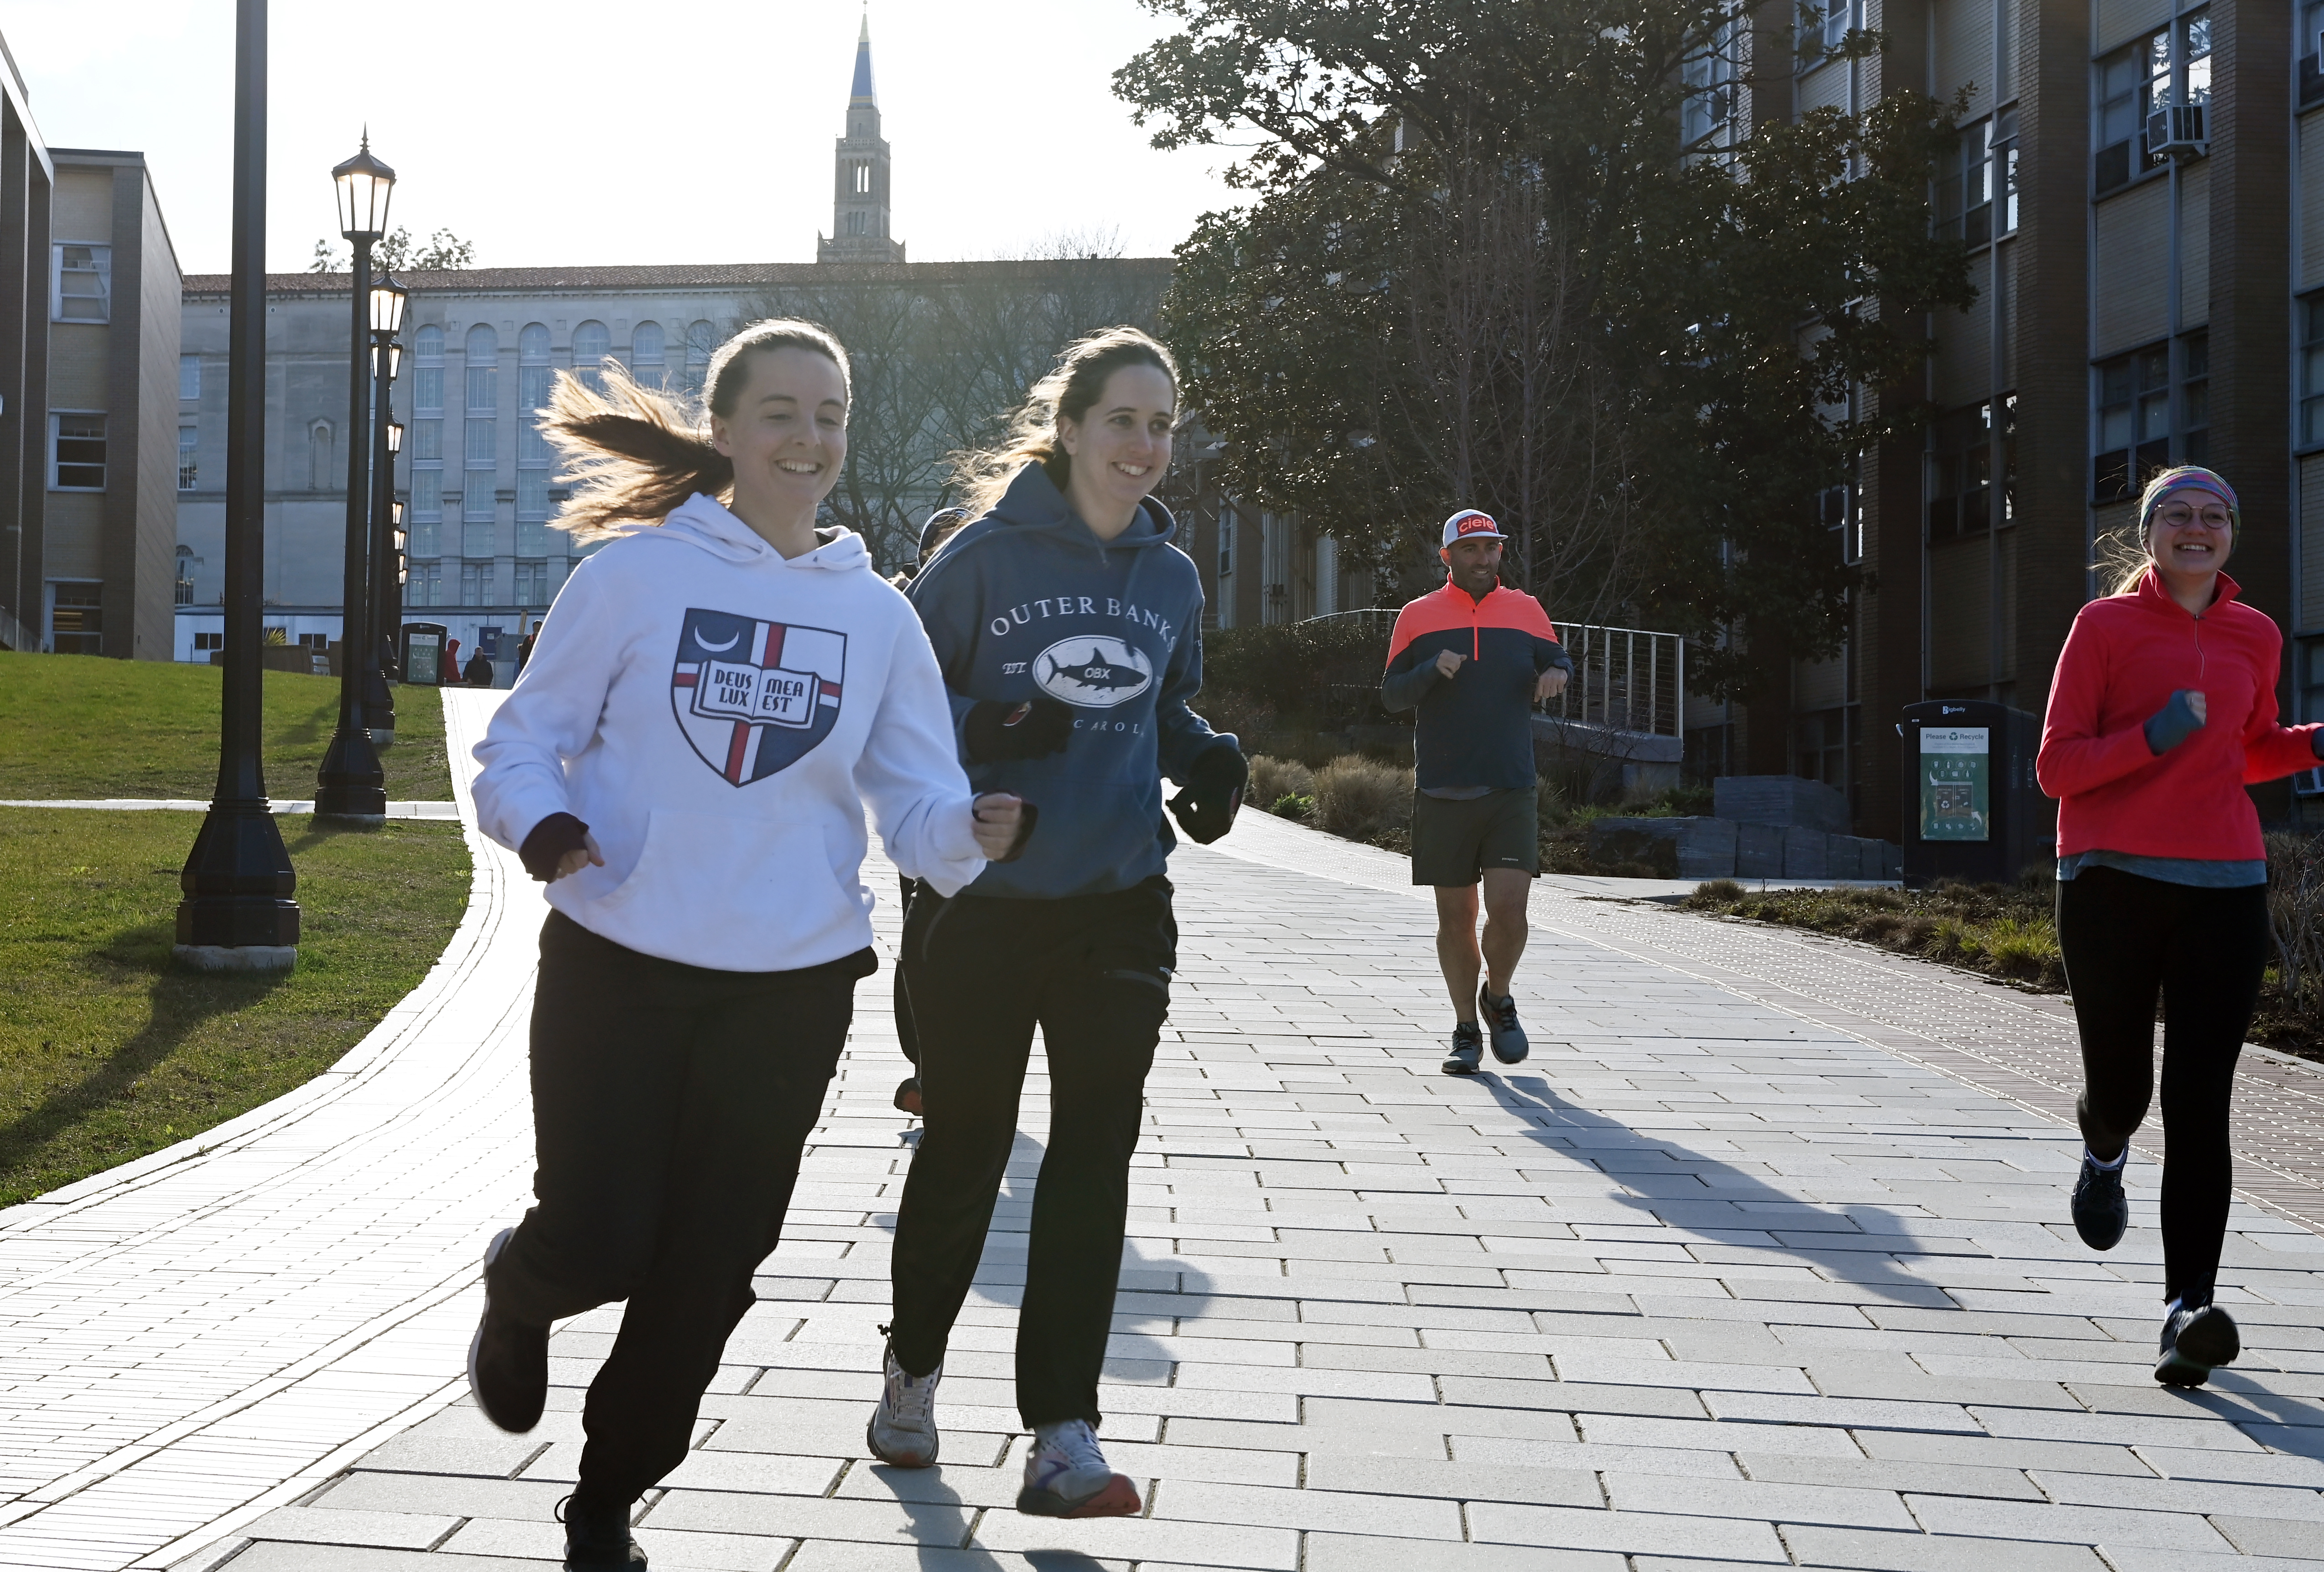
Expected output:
(718, 715)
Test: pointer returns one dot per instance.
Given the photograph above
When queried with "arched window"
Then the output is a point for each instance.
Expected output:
(480, 450)
(535, 376)
(484, 348)
(318, 457)
(591, 345)
(428, 371)
(701, 338)
(646, 362)
(427, 512)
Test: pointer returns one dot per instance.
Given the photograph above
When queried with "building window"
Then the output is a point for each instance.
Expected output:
(2195, 399)
(428, 442)
(184, 583)
(1709, 80)
(1825, 25)
(476, 584)
(1819, 747)
(701, 338)
(532, 584)
(424, 585)
(77, 618)
(190, 471)
(1962, 470)
(77, 452)
(648, 353)
(1841, 512)
(2134, 424)
(2129, 80)
(2312, 371)
(428, 371)
(319, 455)
(205, 641)
(2309, 47)
(484, 361)
(532, 511)
(590, 344)
(1977, 181)
(190, 376)
(83, 283)
(423, 537)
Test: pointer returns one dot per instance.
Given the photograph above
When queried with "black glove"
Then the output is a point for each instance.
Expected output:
(2173, 724)
(1000, 729)
(1206, 808)
(549, 842)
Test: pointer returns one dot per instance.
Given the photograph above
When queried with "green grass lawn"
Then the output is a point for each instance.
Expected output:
(108, 1052)
(78, 726)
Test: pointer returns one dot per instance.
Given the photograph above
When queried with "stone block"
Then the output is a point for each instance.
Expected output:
(1675, 848)
(1804, 853)
(1758, 851)
(1786, 800)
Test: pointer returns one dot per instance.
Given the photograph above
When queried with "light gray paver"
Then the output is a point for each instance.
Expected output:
(1721, 1276)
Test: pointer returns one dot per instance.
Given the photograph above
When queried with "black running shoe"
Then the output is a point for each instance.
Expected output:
(1467, 1051)
(597, 1538)
(1510, 1045)
(507, 1361)
(2101, 1211)
(908, 1096)
(2196, 1342)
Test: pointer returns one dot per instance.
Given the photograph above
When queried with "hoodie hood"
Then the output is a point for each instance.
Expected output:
(1033, 502)
(705, 523)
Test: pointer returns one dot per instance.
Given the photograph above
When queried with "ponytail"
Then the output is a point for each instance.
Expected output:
(633, 453)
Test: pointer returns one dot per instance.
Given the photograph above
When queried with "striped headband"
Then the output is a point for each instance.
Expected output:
(2186, 477)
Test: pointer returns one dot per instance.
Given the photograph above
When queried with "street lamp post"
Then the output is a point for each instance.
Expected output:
(237, 913)
(387, 553)
(350, 788)
(387, 301)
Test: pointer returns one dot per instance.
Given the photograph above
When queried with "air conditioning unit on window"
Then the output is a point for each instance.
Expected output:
(2178, 131)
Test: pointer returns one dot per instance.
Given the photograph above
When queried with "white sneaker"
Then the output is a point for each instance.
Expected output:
(1066, 1476)
(902, 1430)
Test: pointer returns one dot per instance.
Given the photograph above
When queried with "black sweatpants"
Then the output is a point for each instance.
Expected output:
(670, 1105)
(2125, 939)
(908, 1035)
(1093, 972)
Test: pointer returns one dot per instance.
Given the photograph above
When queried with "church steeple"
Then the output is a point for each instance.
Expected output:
(859, 214)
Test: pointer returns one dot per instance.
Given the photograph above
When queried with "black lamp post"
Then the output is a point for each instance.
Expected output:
(237, 913)
(350, 788)
(387, 553)
(387, 301)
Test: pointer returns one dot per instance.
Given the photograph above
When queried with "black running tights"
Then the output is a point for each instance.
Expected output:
(2127, 938)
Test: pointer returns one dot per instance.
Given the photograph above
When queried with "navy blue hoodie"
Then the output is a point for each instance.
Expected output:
(1027, 601)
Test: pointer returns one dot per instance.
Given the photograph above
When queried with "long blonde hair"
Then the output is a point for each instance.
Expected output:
(1068, 392)
(633, 453)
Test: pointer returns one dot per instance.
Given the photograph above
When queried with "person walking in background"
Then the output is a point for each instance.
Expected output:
(1069, 631)
(447, 665)
(1474, 659)
(2161, 710)
(524, 645)
(717, 695)
(941, 526)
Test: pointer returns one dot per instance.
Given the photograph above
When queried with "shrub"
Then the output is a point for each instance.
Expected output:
(1325, 674)
(1720, 890)
(1360, 798)
(1273, 780)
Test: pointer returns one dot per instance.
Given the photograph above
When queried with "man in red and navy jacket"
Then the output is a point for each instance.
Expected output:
(1474, 659)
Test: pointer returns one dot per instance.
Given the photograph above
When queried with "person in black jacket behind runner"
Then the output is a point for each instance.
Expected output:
(1474, 659)
(1069, 630)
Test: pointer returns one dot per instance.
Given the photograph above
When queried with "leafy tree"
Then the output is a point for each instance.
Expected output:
(1478, 267)
(399, 252)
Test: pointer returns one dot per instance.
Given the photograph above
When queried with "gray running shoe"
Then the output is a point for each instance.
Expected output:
(2196, 1342)
(902, 1430)
(1467, 1051)
(1510, 1045)
(1067, 1476)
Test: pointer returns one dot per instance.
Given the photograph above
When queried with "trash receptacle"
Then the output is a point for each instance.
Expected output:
(1972, 808)
(423, 652)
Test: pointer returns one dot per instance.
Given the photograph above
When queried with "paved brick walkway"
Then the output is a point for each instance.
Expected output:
(1712, 1280)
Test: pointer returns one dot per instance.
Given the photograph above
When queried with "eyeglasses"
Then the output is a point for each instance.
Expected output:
(2179, 515)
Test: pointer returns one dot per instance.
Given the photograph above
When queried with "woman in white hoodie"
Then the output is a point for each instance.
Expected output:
(711, 703)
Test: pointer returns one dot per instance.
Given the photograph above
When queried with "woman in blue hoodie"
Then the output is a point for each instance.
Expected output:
(713, 701)
(1067, 627)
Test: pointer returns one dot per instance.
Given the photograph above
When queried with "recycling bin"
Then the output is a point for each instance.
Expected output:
(1973, 809)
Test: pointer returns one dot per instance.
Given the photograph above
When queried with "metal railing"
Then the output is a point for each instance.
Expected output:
(1629, 680)
(16, 636)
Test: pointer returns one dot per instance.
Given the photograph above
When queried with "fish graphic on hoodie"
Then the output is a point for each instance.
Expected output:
(1027, 602)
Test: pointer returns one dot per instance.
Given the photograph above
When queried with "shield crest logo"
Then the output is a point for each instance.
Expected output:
(752, 697)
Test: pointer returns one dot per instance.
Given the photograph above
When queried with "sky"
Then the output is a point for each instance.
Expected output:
(594, 133)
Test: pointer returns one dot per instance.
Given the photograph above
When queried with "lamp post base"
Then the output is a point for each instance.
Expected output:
(236, 957)
(350, 789)
(238, 883)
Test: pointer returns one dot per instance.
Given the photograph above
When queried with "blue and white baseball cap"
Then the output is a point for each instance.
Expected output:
(1470, 524)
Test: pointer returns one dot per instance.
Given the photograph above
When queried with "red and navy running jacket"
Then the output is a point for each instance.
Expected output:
(1475, 728)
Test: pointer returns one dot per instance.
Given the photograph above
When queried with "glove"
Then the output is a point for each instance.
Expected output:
(548, 843)
(2173, 724)
(1000, 729)
(1205, 809)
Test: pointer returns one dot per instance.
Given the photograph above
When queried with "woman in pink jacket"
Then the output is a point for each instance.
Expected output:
(2161, 710)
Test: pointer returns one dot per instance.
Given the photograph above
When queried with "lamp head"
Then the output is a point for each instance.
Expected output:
(364, 184)
(395, 436)
(388, 300)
